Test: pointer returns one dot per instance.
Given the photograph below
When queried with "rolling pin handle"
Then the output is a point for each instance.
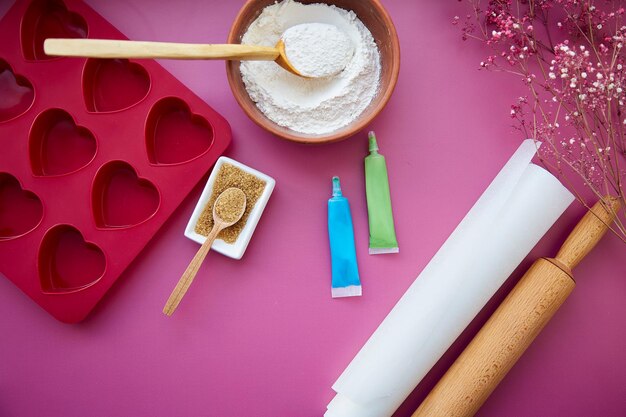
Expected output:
(588, 232)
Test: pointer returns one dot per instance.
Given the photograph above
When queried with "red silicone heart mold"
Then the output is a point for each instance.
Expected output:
(20, 210)
(95, 156)
(114, 84)
(16, 93)
(57, 146)
(174, 135)
(48, 19)
(68, 263)
(120, 198)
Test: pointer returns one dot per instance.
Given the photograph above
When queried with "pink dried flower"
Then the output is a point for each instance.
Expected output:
(576, 85)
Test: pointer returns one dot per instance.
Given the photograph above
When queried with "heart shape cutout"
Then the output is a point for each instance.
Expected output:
(120, 198)
(68, 263)
(174, 135)
(48, 19)
(16, 93)
(20, 210)
(57, 146)
(114, 84)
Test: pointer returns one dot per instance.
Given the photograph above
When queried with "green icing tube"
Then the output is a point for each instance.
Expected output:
(382, 232)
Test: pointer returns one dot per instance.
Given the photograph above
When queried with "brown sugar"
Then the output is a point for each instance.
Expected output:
(230, 176)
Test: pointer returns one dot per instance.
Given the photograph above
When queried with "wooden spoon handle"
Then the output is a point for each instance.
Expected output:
(105, 48)
(190, 273)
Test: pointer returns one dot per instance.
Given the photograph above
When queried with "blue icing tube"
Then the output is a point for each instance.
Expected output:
(345, 281)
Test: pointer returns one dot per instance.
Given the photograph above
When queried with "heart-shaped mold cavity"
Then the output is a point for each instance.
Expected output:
(16, 93)
(48, 19)
(67, 262)
(114, 84)
(20, 210)
(174, 135)
(57, 146)
(122, 199)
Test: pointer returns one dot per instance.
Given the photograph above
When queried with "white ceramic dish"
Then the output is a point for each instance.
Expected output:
(237, 249)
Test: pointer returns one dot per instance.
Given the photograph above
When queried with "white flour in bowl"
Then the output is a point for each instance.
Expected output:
(311, 105)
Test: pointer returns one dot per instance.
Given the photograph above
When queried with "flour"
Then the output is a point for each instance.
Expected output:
(311, 105)
(317, 49)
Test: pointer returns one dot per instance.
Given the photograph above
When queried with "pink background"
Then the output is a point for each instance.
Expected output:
(261, 336)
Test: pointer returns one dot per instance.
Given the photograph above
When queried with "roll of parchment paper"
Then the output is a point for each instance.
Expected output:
(515, 211)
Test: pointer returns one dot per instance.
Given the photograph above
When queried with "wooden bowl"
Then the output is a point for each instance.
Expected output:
(374, 17)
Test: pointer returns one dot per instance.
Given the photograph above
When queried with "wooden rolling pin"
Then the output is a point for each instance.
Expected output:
(515, 324)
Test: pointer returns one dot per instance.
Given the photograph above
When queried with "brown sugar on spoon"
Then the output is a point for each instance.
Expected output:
(230, 176)
(229, 206)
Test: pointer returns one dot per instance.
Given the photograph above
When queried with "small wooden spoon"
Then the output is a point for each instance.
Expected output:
(108, 48)
(227, 210)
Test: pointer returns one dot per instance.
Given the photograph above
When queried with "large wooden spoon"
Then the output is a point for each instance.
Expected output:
(227, 210)
(108, 48)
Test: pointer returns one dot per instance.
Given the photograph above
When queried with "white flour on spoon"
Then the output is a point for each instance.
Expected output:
(312, 105)
(317, 49)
